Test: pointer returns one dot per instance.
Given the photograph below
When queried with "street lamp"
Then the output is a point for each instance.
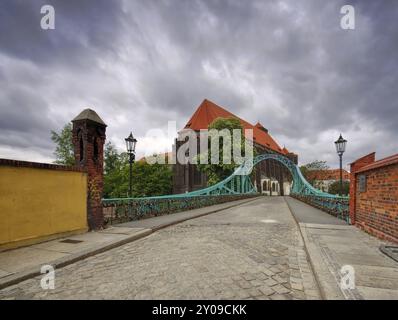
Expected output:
(340, 148)
(130, 145)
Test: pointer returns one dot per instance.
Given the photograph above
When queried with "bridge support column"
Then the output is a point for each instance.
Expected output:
(88, 136)
(280, 176)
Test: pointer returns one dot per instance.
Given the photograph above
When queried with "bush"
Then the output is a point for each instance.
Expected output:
(334, 188)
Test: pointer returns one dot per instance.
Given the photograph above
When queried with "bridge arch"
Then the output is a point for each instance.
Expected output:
(239, 182)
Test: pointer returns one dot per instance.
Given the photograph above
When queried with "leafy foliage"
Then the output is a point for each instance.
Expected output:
(334, 187)
(314, 165)
(147, 180)
(64, 147)
(218, 172)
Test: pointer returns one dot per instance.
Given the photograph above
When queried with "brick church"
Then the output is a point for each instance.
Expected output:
(271, 177)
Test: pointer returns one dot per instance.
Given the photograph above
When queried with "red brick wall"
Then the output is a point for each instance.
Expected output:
(361, 162)
(376, 209)
(91, 133)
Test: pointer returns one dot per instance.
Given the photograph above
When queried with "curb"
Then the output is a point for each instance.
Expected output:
(328, 288)
(64, 261)
(67, 260)
(311, 263)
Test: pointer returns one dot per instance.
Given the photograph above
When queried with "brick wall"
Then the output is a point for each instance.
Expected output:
(375, 207)
(88, 138)
(355, 166)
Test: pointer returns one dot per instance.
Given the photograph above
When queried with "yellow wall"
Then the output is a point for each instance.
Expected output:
(37, 204)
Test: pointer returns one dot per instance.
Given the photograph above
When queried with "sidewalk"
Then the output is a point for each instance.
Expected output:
(332, 244)
(23, 263)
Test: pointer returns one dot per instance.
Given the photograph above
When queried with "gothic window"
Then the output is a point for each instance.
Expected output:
(95, 152)
(81, 147)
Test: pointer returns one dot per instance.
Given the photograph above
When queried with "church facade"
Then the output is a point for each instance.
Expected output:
(270, 176)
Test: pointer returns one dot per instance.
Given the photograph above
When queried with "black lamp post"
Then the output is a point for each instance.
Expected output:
(340, 148)
(130, 145)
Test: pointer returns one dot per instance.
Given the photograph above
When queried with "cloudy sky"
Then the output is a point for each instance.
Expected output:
(139, 64)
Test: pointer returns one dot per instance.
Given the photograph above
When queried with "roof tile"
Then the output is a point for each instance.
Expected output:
(208, 111)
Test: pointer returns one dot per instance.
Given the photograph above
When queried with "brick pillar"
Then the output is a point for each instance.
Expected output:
(88, 136)
(355, 166)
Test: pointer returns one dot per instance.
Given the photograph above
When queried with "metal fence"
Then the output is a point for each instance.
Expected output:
(336, 206)
(128, 209)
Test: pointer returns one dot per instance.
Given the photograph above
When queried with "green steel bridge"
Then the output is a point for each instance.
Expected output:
(237, 186)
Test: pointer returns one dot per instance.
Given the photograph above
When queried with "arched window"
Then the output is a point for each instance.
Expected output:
(81, 146)
(95, 151)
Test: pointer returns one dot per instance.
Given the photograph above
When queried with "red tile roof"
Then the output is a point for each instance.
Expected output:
(380, 163)
(330, 174)
(208, 111)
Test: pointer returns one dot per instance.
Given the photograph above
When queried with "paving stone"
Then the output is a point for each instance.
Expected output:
(210, 257)
(297, 286)
(271, 282)
(254, 292)
(280, 289)
(266, 290)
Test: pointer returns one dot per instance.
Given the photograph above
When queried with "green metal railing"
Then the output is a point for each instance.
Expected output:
(237, 186)
(128, 209)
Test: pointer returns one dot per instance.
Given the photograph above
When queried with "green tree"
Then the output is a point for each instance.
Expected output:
(64, 147)
(334, 187)
(147, 180)
(151, 179)
(313, 166)
(114, 175)
(218, 172)
(111, 158)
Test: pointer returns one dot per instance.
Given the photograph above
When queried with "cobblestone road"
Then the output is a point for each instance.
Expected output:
(250, 251)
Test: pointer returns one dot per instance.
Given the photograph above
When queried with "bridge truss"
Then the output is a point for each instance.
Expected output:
(237, 186)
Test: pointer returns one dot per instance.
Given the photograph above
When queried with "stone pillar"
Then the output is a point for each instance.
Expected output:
(355, 166)
(88, 136)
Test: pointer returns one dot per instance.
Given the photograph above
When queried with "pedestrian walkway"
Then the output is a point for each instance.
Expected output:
(332, 244)
(23, 263)
(250, 251)
(308, 214)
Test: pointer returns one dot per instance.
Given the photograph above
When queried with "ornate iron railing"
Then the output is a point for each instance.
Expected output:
(236, 186)
(337, 206)
(128, 209)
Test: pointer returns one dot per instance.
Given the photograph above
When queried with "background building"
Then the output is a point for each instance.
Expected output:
(322, 179)
(270, 177)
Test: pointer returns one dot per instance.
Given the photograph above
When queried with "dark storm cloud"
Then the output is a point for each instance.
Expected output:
(83, 28)
(141, 63)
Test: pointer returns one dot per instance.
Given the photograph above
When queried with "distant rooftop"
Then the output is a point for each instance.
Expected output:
(329, 174)
(208, 111)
